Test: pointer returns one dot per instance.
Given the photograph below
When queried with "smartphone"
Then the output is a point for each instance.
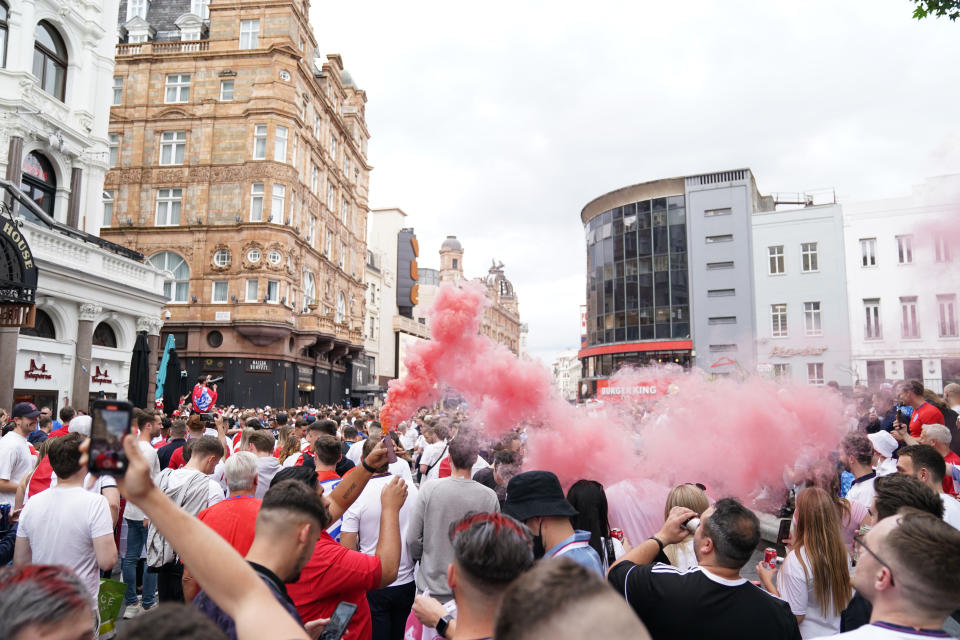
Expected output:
(391, 452)
(206, 418)
(111, 421)
(338, 621)
(784, 532)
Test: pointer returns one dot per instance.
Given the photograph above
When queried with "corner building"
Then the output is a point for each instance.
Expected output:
(670, 276)
(238, 167)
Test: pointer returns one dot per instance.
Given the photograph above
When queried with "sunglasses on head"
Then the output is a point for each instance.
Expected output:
(698, 485)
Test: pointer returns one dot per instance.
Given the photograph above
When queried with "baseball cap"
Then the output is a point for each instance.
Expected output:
(883, 443)
(80, 424)
(536, 493)
(25, 410)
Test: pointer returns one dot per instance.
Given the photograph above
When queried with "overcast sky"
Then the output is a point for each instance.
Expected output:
(499, 121)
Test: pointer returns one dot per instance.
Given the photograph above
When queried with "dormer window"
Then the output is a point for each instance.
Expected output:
(201, 9)
(190, 27)
(137, 9)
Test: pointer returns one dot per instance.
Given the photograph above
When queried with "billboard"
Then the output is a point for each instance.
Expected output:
(407, 288)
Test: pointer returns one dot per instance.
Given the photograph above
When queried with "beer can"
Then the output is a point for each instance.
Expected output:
(617, 533)
(770, 557)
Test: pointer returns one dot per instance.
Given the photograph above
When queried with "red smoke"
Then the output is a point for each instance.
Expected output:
(735, 437)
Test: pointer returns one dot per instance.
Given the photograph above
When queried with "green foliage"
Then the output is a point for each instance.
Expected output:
(936, 8)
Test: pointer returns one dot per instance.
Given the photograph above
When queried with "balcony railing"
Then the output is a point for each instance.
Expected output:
(177, 46)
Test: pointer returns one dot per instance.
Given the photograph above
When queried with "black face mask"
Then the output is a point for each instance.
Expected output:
(538, 549)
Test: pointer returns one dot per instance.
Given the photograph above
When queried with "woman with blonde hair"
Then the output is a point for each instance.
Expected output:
(290, 448)
(815, 577)
(693, 497)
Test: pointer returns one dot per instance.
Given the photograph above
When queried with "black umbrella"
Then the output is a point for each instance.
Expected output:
(139, 372)
(172, 386)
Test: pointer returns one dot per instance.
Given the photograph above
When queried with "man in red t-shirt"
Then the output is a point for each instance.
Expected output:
(336, 574)
(938, 436)
(924, 413)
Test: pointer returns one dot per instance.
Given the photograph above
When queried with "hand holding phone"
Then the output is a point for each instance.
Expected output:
(111, 422)
(391, 451)
(338, 621)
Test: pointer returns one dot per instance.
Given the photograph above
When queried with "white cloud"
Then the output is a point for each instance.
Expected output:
(498, 122)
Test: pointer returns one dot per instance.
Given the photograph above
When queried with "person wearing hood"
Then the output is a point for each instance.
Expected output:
(884, 446)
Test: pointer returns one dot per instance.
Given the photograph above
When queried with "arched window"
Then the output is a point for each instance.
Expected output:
(177, 289)
(39, 181)
(4, 29)
(42, 327)
(341, 308)
(104, 336)
(309, 288)
(50, 60)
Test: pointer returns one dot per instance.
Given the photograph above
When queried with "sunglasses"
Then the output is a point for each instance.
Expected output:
(859, 540)
(698, 485)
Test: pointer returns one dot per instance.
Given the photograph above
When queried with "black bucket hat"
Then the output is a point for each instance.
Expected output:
(535, 494)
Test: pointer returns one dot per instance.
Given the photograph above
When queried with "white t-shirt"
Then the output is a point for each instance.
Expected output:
(432, 455)
(951, 510)
(15, 462)
(363, 518)
(877, 631)
(408, 439)
(887, 467)
(355, 452)
(863, 492)
(401, 468)
(61, 525)
(132, 511)
(292, 460)
(797, 589)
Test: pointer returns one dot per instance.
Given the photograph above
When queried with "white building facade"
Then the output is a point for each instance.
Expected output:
(903, 285)
(56, 88)
(566, 375)
(803, 329)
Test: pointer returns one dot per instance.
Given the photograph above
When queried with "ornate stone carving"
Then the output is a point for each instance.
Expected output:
(221, 268)
(244, 258)
(150, 324)
(279, 266)
(168, 176)
(89, 312)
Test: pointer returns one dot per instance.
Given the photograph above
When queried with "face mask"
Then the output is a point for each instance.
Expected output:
(538, 549)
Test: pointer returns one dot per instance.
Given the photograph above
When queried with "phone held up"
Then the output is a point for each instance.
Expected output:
(111, 421)
(391, 452)
(338, 621)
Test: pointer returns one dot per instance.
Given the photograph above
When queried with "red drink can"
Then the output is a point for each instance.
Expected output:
(770, 557)
(616, 533)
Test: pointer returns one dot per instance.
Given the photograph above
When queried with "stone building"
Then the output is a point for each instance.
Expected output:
(501, 320)
(238, 166)
(92, 297)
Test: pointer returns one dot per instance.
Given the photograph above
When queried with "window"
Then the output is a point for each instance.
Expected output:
(333, 146)
(273, 291)
(778, 320)
(344, 207)
(710, 213)
(328, 247)
(221, 258)
(948, 315)
(815, 372)
(713, 266)
(136, 9)
(781, 371)
(252, 286)
(226, 90)
(871, 310)
(309, 288)
(276, 206)
(723, 348)
(776, 260)
(316, 127)
(314, 178)
(942, 249)
(274, 256)
(714, 293)
(39, 181)
(43, 326)
(331, 192)
(260, 142)
(809, 259)
(293, 154)
(177, 88)
(49, 60)
(310, 227)
(722, 320)
(104, 336)
(909, 327)
(249, 32)
(117, 90)
(280, 144)
(341, 315)
(220, 291)
(178, 287)
(727, 237)
(811, 319)
(114, 148)
(868, 252)
(107, 208)
(256, 202)
(905, 249)
(200, 8)
(254, 255)
(168, 207)
(4, 30)
(343, 254)
(172, 147)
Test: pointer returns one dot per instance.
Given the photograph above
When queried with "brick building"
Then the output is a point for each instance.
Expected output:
(239, 167)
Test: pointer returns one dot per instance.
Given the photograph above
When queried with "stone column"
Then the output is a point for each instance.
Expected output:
(8, 365)
(73, 204)
(14, 164)
(151, 324)
(81, 366)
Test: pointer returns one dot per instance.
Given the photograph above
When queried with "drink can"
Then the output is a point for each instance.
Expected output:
(617, 533)
(770, 557)
(692, 524)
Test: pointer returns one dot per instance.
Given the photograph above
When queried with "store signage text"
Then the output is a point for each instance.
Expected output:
(787, 352)
(259, 366)
(37, 373)
(102, 377)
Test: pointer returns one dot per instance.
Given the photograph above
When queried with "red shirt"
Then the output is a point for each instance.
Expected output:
(176, 460)
(336, 574)
(923, 415)
(235, 520)
(444, 471)
(323, 476)
(162, 443)
(62, 431)
(41, 478)
(948, 488)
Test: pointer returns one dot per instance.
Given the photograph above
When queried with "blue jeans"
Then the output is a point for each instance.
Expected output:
(136, 539)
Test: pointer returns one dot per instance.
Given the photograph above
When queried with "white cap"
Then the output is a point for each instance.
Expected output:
(80, 424)
(883, 443)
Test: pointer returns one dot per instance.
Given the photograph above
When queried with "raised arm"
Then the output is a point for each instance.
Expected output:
(388, 544)
(349, 489)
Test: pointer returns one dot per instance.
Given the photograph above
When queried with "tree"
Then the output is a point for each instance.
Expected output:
(937, 8)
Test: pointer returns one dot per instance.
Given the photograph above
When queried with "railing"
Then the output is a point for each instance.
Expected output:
(176, 46)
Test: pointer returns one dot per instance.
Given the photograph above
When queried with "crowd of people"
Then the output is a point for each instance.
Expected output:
(258, 523)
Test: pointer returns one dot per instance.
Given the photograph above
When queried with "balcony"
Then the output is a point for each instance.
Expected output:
(406, 325)
(162, 48)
